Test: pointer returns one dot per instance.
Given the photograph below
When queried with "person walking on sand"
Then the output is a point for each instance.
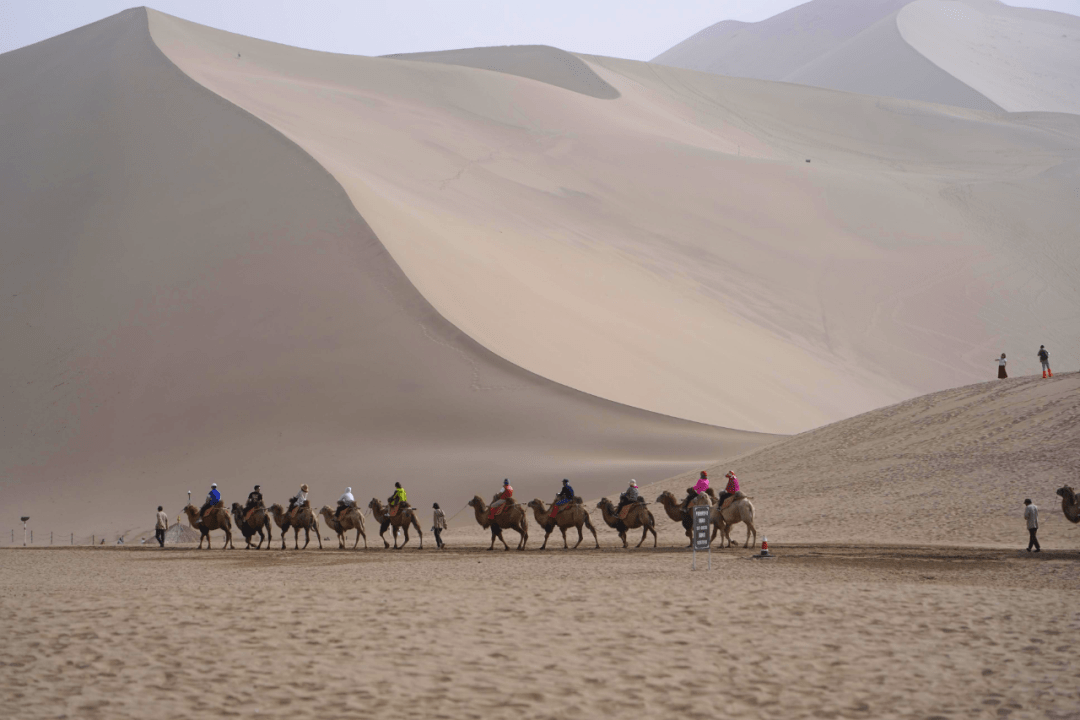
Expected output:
(1002, 375)
(1031, 515)
(161, 527)
(1044, 358)
(438, 525)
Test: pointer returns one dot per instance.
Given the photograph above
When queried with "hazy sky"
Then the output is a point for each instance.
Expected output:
(636, 29)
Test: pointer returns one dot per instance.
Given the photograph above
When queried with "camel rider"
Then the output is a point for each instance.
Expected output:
(399, 497)
(731, 489)
(298, 500)
(629, 497)
(701, 486)
(212, 498)
(504, 497)
(255, 499)
(565, 497)
(345, 501)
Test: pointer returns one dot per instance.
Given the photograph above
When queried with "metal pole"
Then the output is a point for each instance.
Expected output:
(50, 537)
(72, 538)
(24, 534)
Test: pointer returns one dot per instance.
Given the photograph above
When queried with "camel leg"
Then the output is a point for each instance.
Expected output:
(494, 531)
(382, 533)
(622, 536)
(588, 524)
(419, 532)
(547, 534)
(524, 532)
(644, 534)
(405, 532)
(565, 545)
(501, 538)
(228, 540)
(269, 535)
(318, 532)
(750, 528)
(580, 537)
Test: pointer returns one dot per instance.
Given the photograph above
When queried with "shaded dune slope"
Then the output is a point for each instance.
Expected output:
(953, 467)
(536, 62)
(192, 298)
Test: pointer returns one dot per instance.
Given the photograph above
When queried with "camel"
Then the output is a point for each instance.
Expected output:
(302, 519)
(1069, 504)
(740, 510)
(676, 512)
(574, 516)
(639, 516)
(216, 518)
(513, 518)
(259, 519)
(406, 516)
(351, 519)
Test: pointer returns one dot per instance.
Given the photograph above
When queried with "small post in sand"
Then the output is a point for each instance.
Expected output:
(24, 519)
(700, 536)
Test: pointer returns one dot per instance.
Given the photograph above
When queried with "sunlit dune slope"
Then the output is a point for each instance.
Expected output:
(189, 298)
(671, 248)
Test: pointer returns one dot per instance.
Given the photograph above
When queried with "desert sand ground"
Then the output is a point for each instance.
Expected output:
(818, 632)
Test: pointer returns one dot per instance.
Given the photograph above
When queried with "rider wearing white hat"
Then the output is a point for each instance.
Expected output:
(630, 496)
(345, 501)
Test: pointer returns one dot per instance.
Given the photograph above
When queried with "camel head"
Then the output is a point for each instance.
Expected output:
(605, 504)
(277, 510)
(326, 512)
(667, 498)
(1067, 493)
(537, 504)
(375, 505)
(477, 502)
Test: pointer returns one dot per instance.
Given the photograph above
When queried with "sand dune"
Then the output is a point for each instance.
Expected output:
(671, 249)
(948, 468)
(978, 54)
(191, 299)
(237, 261)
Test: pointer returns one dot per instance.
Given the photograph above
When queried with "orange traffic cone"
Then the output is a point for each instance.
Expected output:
(764, 547)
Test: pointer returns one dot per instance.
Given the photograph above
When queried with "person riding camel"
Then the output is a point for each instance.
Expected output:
(254, 500)
(212, 498)
(565, 497)
(297, 501)
(731, 489)
(629, 497)
(398, 500)
(504, 497)
(345, 501)
(699, 488)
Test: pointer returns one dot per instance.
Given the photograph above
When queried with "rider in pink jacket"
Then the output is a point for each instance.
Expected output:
(731, 489)
(701, 486)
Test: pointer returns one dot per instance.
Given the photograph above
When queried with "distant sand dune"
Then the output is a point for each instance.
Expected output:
(978, 54)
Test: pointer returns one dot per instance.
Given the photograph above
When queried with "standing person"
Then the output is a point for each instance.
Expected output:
(1002, 375)
(161, 527)
(438, 525)
(1031, 514)
(1044, 358)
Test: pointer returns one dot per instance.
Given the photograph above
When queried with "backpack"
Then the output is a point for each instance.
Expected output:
(1043, 355)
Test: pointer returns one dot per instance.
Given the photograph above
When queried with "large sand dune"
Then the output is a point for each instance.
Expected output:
(190, 298)
(671, 249)
(194, 295)
(977, 54)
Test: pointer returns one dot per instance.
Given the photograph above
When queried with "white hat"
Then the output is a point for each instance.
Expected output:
(213, 484)
(348, 490)
(633, 483)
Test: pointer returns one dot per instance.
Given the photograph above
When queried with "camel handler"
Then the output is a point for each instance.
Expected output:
(731, 489)
(438, 524)
(629, 497)
(345, 501)
(255, 499)
(565, 497)
(298, 500)
(161, 526)
(212, 498)
(502, 498)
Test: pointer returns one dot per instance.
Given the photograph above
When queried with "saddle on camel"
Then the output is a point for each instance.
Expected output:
(503, 499)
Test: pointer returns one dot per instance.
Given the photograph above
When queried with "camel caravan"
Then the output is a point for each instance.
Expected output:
(567, 511)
